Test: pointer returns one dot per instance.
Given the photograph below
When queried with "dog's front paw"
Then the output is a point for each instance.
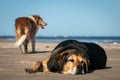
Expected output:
(29, 70)
(36, 67)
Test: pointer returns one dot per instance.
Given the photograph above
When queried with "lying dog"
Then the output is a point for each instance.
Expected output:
(72, 57)
(26, 28)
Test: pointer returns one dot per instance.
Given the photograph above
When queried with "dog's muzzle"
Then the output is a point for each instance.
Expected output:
(81, 68)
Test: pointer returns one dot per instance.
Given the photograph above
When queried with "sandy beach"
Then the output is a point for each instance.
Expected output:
(12, 63)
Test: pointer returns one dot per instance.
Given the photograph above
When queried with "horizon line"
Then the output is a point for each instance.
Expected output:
(58, 36)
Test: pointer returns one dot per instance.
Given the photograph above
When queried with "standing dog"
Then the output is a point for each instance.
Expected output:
(72, 57)
(26, 28)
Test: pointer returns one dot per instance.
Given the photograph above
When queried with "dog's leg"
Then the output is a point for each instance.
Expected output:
(24, 47)
(37, 66)
(33, 43)
(18, 35)
(21, 48)
(44, 63)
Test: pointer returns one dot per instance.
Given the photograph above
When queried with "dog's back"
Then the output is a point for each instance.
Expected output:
(24, 25)
(96, 55)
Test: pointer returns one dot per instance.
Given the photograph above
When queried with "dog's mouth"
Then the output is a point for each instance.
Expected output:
(43, 25)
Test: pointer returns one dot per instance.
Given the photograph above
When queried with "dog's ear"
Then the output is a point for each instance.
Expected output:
(61, 56)
(61, 59)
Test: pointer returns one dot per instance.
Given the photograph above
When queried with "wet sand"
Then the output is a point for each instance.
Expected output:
(12, 63)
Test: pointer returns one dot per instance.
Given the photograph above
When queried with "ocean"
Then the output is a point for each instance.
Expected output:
(95, 39)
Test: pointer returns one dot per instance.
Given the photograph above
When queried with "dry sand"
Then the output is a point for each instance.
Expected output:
(12, 63)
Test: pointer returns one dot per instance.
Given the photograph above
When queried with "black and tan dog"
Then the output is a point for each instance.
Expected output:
(26, 28)
(72, 57)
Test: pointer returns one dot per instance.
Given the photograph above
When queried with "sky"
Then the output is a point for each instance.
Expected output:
(64, 17)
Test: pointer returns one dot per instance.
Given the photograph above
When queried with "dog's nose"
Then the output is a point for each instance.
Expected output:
(81, 68)
(46, 24)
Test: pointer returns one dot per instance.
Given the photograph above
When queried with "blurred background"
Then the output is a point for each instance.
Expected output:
(65, 18)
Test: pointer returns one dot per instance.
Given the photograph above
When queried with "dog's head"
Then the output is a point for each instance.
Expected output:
(71, 62)
(39, 21)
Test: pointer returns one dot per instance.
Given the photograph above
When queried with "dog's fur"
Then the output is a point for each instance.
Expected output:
(72, 57)
(26, 28)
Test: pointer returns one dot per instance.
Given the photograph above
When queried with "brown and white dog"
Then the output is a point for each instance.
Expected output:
(72, 57)
(26, 28)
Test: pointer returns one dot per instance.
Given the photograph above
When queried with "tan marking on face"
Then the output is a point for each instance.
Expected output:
(71, 65)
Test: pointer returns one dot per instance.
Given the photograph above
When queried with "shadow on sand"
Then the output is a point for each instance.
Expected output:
(37, 52)
(91, 71)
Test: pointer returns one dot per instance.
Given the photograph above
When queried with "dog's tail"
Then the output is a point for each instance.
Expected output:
(20, 41)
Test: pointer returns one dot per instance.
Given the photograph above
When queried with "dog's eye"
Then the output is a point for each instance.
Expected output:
(71, 60)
